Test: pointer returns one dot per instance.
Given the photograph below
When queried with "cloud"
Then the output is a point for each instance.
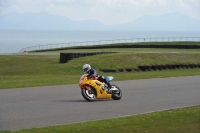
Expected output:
(106, 11)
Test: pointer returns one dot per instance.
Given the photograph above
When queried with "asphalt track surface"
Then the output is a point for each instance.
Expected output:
(57, 105)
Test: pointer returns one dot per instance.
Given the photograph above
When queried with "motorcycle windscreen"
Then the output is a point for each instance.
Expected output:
(109, 78)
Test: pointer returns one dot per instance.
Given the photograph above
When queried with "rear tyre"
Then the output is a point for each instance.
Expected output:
(89, 95)
(118, 95)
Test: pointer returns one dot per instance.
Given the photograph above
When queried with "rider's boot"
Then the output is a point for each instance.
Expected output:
(109, 87)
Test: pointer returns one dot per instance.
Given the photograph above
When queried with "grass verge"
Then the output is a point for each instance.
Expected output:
(185, 120)
(53, 79)
(42, 70)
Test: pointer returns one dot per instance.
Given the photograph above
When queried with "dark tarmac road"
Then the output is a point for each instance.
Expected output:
(57, 105)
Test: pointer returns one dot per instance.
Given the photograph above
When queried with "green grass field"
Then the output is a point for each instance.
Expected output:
(44, 70)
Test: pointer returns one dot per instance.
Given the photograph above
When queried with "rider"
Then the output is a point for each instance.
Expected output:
(93, 73)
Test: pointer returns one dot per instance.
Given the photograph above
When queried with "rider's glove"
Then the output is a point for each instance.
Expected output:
(88, 76)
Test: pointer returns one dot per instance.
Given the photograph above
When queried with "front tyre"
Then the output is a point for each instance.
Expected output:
(116, 95)
(89, 95)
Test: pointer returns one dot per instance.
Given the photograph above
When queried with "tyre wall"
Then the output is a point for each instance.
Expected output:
(64, 57)
(153, 68)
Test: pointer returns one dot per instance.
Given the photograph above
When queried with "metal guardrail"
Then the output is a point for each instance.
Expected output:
(116, 41)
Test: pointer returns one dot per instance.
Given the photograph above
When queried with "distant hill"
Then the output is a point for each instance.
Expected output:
(45, 21)
(167, 22)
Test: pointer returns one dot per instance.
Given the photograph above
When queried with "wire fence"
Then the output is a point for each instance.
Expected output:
(103, 42)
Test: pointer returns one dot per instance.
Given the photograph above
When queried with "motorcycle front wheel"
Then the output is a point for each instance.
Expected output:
(89, 95)
(118, 95)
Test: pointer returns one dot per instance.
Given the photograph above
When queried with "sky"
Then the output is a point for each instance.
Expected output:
(107, 12)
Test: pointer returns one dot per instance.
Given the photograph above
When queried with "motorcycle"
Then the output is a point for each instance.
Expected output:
(92, 89)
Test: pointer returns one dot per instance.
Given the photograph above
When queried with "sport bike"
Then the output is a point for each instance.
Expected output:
(92, 89)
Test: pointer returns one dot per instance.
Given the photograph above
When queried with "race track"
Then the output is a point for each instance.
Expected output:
(56, 105)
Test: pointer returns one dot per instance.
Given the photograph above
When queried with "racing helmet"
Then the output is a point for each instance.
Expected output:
(86, 68)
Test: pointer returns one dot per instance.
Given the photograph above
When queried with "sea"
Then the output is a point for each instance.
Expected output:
(12, 41)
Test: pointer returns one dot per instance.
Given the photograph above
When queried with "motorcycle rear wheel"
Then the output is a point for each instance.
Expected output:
(117, 96)
(89, 95)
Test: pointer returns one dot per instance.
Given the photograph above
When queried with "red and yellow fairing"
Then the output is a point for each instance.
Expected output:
(86, 83)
